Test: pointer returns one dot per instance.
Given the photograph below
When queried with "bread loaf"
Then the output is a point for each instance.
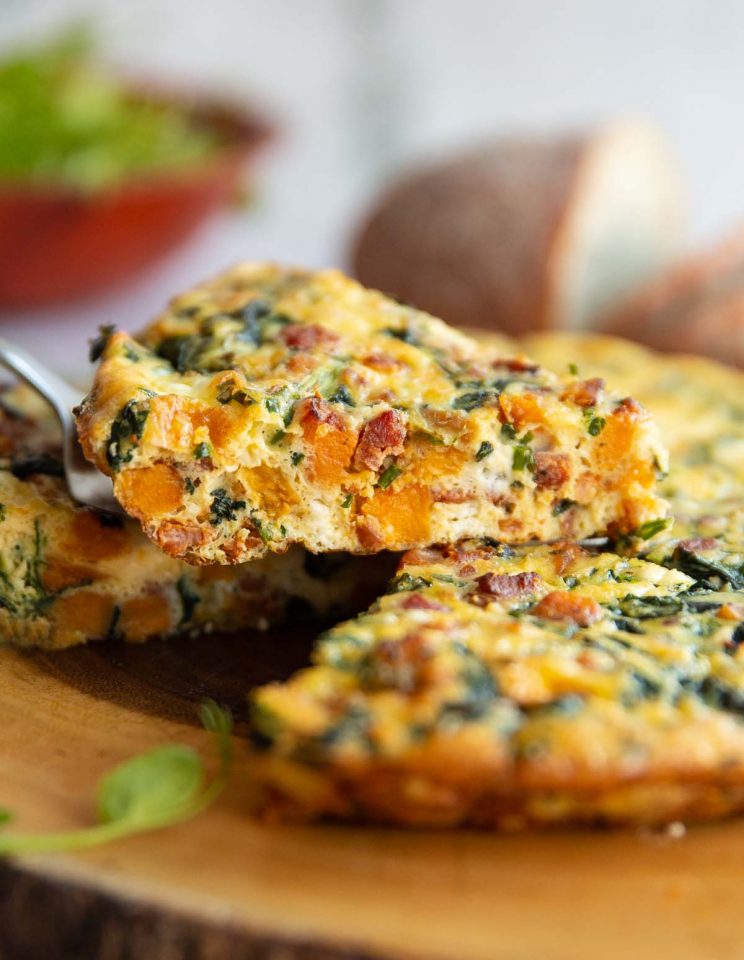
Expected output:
(527, 234)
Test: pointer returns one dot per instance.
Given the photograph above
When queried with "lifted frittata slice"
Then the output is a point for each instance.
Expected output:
(69, 574)
(274, 406)
(501, 688)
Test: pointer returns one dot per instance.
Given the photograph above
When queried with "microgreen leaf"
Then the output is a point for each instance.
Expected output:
(148, 788)
(160, 788)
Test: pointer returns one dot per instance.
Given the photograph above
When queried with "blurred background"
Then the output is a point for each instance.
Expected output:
(358, 90)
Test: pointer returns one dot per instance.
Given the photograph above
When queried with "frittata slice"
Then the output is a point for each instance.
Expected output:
(504, 688)
(271, 407)
(69, 574)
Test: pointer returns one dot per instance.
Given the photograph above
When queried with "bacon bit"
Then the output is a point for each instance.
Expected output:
(417, 601)
(731, 611)
(177, 538)
(466, 570)
(315, 411)
(300, 336)
(508, 586)
(369, 533)
(423, 556)
(301, 363)
(565, 556)
(630, 408)
(453, 495)
(519, 364)
(459, 553)
(562, 605)
(381, 361)
(585, 393)
(552, 470)
(700, 543)
(401, 664)
(381, 437)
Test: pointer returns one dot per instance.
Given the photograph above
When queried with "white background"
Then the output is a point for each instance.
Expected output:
(361, 87)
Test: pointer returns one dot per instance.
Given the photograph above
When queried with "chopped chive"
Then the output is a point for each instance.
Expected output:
(652, 527)
(562, 506)
(596, 426)
(297, 457)
(278, 437)
(387, 476)
(508, 432)
(573, 369)
(347, 501)
(190, 485)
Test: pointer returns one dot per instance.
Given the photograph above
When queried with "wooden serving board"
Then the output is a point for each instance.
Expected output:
(224, 887)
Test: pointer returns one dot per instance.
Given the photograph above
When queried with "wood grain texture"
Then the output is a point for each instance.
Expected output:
(224, 887)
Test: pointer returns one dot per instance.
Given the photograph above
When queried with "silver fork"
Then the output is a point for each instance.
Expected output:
(86, 484)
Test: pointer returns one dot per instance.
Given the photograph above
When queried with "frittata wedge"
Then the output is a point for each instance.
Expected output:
(505, 688)
(69, 575)
(271, 407)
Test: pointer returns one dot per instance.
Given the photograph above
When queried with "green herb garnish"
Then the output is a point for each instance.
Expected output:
(297, 458)
(277, 437)
(596, 425)
(347, 501)
(388, 476)
(157, 789)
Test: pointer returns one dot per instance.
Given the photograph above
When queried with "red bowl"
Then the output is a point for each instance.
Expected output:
(58, 245)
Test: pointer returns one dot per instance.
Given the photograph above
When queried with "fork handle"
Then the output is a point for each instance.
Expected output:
(57, 392)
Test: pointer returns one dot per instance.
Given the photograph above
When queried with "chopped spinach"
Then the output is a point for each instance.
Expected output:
(98, 344)
(183, 352)
(223, 507)
(405, 582)
(229, 391)
(342, 395)
(189, 599)
(484, 450)
(126, 432)
(470, 401)
(202, 451)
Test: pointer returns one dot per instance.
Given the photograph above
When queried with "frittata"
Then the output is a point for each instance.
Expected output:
(504, 687)
(69, 574)
(271, 407)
